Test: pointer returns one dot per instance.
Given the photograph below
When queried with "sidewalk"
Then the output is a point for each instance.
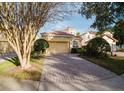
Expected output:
(12, 84)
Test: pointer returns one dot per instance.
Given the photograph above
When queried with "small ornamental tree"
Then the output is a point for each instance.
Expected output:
(20, 22)
(97, 47)
(40, 45)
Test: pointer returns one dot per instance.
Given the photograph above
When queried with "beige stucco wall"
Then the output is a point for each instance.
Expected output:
(72, 31)
(110, 41)
(86, 37)
(58, 38)
(78, 43)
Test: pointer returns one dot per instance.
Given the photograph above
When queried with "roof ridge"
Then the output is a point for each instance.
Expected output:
(110, 37)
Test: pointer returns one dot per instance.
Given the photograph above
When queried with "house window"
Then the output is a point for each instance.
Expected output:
(88, 36)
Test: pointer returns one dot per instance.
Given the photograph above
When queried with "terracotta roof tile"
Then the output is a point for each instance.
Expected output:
(57, 33)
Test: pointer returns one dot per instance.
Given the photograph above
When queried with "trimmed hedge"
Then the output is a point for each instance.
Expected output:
(97, 47)
(39, 48)
(76, 50)
(41, 45)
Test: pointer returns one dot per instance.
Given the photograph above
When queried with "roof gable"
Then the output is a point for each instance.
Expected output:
(115, 40)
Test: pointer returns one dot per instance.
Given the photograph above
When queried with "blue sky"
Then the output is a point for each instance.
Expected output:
(76, 21)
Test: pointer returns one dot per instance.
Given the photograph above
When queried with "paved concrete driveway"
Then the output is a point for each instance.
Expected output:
(69, 72)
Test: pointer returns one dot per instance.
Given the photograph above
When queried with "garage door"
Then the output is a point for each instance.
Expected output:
(58, 47)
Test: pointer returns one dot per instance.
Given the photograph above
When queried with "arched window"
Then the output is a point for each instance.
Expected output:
(75, 44)
(88, 36)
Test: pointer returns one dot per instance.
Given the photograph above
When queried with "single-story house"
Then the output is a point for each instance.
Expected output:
(59, 41)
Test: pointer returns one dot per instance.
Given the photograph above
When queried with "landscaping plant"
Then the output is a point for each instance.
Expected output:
(40, 45)
(97, 47)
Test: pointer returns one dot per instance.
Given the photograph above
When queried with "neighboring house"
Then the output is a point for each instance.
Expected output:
(59, 41)
(86, 37)
(108, 36)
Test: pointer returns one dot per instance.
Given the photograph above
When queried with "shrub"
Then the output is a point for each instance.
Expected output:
(97, 47)
(76, 50)
(73, 50)
(40, 45)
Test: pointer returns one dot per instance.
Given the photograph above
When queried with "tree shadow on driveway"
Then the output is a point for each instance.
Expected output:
(70, 72)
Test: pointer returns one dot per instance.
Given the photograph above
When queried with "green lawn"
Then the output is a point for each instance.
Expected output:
(11, 68)
(115, 64)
